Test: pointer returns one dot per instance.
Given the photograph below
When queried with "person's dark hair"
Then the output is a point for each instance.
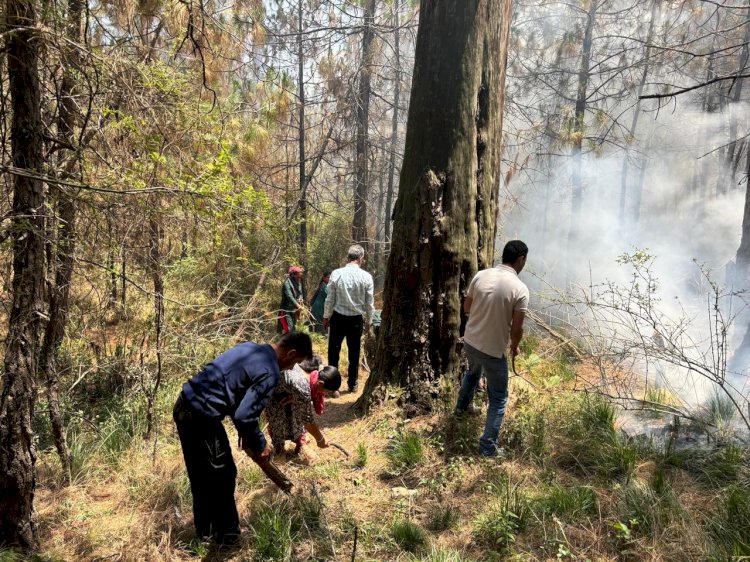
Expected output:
(312, 364)
(513, 250)
(299, 342)
(331, 377)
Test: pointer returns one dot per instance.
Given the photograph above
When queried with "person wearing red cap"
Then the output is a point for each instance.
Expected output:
(291, 299)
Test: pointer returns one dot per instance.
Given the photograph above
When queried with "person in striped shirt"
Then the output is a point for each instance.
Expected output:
(348, 311)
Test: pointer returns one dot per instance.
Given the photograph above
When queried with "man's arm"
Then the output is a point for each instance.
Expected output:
(516, 331)
(467, 304)
(247, 415)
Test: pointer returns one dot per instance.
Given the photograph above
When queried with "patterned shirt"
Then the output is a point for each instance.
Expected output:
(350, 292)
(288, 421)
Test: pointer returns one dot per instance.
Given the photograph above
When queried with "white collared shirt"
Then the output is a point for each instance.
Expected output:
(350, 292)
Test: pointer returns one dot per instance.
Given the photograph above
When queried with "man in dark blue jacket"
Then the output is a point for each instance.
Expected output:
(238, 384)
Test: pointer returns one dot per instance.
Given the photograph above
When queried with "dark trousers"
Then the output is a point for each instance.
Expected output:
(212, 473)
(349, 327)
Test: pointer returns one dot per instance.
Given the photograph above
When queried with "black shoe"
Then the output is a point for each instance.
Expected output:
(354, 388)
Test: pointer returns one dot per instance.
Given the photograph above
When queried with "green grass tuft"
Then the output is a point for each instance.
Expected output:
(442, 518)
(566, 503)
(405, 451)
(360, 455)
(408, 535)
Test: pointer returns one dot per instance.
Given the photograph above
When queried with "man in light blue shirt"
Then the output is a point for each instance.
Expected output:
(348, 311)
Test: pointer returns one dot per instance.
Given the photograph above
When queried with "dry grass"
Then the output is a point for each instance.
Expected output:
(139, 509)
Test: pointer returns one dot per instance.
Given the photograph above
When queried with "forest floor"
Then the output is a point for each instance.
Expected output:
(571, 488)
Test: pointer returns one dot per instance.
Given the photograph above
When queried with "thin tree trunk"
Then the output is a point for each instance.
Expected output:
(154, 260)
(62, 259)
(743, 252)
(123, 276)
(726, 177)
(637, 110)
(112, 300)
(446, 211)
(362, 188)
(302, 205)
(579, 128)
(18, 398)
(379, 225)
(394, 118)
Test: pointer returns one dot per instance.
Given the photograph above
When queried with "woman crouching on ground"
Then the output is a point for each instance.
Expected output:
(300, 394)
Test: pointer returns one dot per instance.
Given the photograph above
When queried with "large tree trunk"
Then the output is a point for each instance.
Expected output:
(17, 474)
(362, 188)
(446, 211)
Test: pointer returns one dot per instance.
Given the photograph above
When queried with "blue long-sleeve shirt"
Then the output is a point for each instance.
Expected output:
(238, 383)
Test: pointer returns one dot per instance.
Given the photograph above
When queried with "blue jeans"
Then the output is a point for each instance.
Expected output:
(496, 371)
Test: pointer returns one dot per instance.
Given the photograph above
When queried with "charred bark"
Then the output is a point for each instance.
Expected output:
(18, 396)
(447, 202)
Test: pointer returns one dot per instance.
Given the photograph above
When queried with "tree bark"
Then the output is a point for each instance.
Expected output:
(61, 261)
(362, 188)
(394, 119)
(446, 210)
(17, 455)
(154, 263)
(743, 252)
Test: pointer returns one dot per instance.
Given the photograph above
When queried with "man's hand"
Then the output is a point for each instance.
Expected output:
(326, 323)
(515, 351)
(262, 456)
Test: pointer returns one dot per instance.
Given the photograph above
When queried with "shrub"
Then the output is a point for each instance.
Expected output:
(409, 536)
(718, 467)
(440, 555)
(360, 459)
(566, 503)
(508, 515)
(405, 451)
(275, 530)
(526, 430)
(731, 525)
(590, 444)
(442, 518)
(309, 509)
(652, 511)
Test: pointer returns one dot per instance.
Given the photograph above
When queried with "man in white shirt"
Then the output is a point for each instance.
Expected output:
(496, 301)
(348, 311)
